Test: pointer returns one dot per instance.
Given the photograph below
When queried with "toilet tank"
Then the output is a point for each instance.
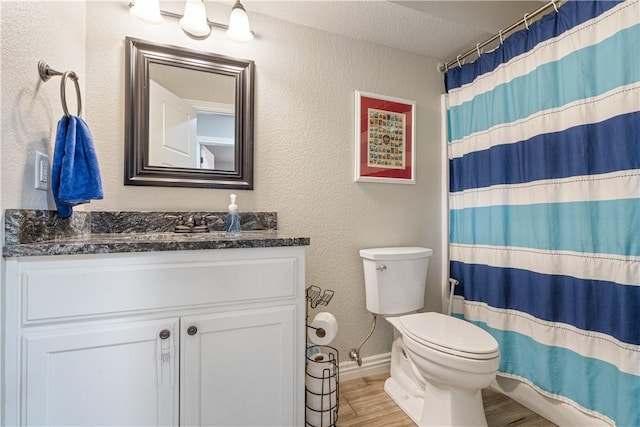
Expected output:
(395, 278)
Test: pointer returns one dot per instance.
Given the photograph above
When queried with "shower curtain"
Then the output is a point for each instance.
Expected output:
(544, 204)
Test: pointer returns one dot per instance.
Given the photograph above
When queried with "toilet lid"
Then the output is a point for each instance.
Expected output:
(450, 335)
(398, 253)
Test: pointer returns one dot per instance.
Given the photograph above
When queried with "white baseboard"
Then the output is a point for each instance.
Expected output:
(370, 366)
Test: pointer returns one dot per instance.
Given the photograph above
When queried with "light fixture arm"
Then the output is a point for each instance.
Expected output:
(179, 16)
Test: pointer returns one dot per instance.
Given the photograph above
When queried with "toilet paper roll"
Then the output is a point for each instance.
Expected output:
(320, 419)
(321, 365)
(324, 328)
(322, 402)
(321, 386)
(321, 374)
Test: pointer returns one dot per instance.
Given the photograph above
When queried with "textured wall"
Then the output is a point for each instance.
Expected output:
(31, 31)
(304, 137)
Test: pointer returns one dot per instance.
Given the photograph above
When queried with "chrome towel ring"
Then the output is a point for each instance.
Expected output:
(47, 72)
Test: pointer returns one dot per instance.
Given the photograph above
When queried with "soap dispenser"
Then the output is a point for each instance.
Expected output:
(233, 217)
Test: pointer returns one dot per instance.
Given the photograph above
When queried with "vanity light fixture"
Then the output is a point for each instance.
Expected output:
(239, 29)
(194, 21)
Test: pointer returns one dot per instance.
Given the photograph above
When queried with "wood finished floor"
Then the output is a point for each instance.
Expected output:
(363, 402)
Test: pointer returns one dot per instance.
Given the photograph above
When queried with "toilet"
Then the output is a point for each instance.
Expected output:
(439, 363)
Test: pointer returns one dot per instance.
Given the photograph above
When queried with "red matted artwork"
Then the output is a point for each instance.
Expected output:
(385, 135)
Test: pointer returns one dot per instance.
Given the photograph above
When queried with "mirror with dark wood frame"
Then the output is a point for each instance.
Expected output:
(188, 118)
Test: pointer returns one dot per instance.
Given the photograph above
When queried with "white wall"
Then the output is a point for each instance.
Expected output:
(304, 135)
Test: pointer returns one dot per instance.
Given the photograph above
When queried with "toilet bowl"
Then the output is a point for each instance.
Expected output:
(439, 363)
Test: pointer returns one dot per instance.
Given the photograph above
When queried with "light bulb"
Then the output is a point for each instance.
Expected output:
(194, 21)
(239, 29)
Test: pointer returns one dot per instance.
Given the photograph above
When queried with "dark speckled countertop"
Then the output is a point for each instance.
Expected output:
(39, 232)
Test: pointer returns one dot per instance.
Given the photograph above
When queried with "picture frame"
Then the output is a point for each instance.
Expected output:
(385, 139)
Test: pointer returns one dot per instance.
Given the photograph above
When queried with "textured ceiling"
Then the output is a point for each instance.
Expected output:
(438, 29)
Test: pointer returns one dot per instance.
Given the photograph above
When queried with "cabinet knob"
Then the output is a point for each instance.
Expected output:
(165, 333)
(192, 330)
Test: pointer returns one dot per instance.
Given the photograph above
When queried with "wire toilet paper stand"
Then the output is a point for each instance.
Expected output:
(316, 296)
(322, 372)
(321, 386)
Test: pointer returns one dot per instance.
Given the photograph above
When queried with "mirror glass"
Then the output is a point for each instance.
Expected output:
(189, 118)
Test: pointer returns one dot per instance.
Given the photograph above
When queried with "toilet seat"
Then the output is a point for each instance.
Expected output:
(450, 335)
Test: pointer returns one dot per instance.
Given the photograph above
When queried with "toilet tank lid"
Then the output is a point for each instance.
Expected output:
(396, 253)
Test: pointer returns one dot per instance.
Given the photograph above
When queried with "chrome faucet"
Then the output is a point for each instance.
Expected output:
(191, 224)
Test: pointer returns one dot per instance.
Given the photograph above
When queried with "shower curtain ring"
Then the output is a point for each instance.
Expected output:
(553, 2)
(526, 24)
(478, 50)
(458, 60)
(501, 38)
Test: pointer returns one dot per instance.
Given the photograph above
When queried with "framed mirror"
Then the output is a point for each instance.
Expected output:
(188, 118)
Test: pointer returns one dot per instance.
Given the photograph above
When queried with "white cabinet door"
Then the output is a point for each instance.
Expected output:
(103, 375)
(238, 368)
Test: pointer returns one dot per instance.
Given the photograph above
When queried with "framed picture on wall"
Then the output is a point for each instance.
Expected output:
(385, 139)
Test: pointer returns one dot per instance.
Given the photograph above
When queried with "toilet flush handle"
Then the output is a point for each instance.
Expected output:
(382, 268)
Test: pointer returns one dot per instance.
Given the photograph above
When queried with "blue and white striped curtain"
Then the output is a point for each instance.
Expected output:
(544, 199)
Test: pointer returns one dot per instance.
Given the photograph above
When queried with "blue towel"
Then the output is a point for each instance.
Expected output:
(75, 175)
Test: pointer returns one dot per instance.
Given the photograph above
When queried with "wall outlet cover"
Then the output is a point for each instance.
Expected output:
(41, 171)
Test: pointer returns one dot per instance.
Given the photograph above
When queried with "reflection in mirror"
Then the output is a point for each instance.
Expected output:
(189, 118)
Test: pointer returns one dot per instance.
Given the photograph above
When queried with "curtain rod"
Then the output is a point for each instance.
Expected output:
(501, 34)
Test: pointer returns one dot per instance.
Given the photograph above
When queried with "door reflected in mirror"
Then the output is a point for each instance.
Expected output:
(189, 118)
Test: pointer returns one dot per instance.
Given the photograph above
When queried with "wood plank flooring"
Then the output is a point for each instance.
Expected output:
(363, 402)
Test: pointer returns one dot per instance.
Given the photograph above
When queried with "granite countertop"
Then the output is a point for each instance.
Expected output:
(38, 233)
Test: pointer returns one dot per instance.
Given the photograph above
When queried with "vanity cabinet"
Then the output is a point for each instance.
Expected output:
(203, 337)
(109, 375)
(255, 343)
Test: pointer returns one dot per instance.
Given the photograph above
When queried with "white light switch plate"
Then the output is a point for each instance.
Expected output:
(41, 171)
